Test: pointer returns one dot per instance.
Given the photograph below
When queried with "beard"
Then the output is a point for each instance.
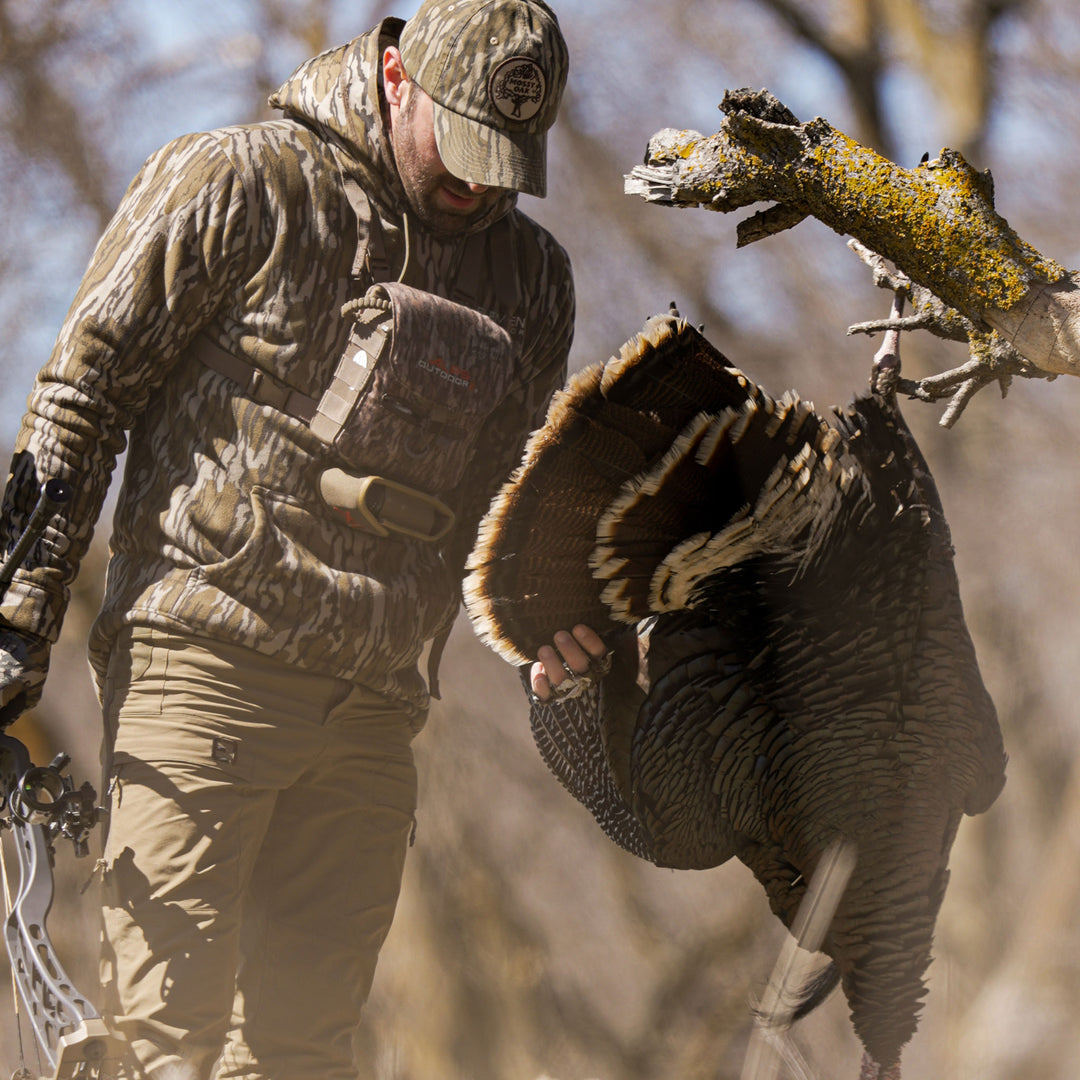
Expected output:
(423, 177)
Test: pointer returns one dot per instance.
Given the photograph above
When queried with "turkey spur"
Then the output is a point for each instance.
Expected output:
(789, 660)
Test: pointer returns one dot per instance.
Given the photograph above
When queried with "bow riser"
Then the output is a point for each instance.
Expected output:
(69, 1030)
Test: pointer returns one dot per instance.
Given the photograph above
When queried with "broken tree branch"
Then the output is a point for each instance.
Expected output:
(936, 222)
(991, 358)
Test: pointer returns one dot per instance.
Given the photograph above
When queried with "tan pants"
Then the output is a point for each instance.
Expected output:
(257, 832)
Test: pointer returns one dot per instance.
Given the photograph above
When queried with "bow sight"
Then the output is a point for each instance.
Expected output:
(40, 804)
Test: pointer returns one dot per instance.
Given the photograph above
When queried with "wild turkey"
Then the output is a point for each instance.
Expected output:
(790, 664)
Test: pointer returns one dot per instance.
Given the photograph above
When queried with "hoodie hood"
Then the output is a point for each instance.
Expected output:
(338, 94)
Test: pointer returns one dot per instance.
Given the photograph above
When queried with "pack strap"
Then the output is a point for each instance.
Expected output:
(262, 387)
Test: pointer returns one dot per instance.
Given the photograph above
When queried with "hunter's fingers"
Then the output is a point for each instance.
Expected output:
(541, 684)
(570, 655)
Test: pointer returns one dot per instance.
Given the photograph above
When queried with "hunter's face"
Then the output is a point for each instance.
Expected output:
(441, 202)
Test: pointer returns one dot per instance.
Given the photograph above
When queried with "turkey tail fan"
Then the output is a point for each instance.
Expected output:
(537, 535)
(530, 570)
(758, 480)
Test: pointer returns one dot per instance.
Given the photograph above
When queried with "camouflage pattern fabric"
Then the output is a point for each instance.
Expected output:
(256, 236)
(496, 73)
(24, 663)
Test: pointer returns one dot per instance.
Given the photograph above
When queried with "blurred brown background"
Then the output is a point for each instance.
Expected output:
(526, 945)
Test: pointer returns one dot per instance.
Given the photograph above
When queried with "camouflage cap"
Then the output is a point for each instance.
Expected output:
(495, 70)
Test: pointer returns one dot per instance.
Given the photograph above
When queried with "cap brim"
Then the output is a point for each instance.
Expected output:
(479, 154)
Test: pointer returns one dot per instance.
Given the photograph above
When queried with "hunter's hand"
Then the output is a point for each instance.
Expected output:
(559, 666)
(24, 663)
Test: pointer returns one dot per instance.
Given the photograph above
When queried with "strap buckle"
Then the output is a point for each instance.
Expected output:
(381, 506)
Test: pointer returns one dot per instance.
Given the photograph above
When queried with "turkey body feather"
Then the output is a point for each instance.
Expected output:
(791, 666)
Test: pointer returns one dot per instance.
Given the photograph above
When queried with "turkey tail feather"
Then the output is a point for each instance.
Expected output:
(530, 570)
(651, 473)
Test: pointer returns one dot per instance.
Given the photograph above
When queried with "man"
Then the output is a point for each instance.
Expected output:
(305, 474)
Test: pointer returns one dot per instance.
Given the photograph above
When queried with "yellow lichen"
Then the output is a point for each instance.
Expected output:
(936, 222)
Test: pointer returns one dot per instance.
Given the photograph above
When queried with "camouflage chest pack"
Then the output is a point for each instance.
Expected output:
(404, 410)
(409, 397)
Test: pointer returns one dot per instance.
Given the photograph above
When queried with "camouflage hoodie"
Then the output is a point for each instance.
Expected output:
(256, 236)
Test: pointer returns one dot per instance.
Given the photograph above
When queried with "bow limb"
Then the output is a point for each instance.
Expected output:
(41, 804)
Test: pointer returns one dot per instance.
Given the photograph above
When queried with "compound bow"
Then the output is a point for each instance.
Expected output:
(39, 804)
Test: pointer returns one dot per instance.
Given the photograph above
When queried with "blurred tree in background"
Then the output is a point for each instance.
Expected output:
(526, 945)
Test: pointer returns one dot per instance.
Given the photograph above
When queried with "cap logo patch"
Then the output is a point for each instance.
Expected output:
(517, 88)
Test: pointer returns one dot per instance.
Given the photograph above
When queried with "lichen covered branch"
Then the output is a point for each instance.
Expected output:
(936, 222)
